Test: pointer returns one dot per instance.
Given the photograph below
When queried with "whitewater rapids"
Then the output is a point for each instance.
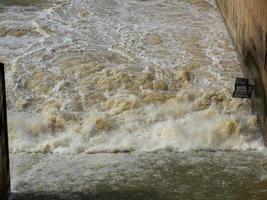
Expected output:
(91, 76)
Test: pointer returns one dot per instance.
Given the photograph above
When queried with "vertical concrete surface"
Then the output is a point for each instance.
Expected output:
(247, 23)
(4, 155)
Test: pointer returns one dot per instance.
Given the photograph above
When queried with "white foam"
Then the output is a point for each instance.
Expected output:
(109, 76)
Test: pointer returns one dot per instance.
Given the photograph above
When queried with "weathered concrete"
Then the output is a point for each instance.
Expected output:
(4, 155)
(247, 22)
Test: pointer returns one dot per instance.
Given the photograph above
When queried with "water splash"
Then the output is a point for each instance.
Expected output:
(116, 76)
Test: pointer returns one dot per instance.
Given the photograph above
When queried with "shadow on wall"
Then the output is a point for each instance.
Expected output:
(259, 103)
(115, 195)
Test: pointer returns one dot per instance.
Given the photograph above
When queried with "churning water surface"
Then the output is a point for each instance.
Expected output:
(152, 79)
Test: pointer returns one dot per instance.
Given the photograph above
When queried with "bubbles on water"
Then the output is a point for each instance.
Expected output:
(122, 76)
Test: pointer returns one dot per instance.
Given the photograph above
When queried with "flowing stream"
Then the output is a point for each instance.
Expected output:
(118, 95)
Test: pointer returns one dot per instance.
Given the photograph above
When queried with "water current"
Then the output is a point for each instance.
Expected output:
(150, 80)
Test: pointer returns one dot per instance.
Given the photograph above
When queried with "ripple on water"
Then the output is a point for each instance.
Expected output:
(122, 76)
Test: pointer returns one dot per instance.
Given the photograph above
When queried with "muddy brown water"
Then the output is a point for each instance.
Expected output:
(126, 99)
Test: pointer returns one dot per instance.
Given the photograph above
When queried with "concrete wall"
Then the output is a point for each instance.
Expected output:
(247, 23)
(4, 155)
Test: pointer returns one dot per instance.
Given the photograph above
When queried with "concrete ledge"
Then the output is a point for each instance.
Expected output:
(247, 23)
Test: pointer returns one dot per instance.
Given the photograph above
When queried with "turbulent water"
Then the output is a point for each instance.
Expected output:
(121, 75)
(109, 76)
